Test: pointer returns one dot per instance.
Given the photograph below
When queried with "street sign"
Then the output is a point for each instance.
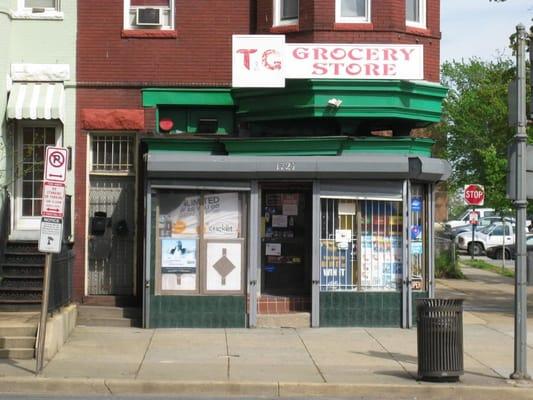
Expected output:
(51, 235)
(473, 217)
(474, 195)
(55, 167)
(53, 204)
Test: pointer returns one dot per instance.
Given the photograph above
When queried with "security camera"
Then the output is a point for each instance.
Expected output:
(334, 102)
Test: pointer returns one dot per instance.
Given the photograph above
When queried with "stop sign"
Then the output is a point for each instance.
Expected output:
(474, 195)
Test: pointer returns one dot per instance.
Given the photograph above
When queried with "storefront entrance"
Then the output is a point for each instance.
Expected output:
(286, 248)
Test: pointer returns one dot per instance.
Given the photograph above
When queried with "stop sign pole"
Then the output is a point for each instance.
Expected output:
(520, 331)
(474, 195)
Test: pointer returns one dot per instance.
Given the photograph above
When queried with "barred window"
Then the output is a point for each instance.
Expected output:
(112, 153)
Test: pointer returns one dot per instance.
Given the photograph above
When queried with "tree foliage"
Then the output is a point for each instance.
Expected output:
(474, 132)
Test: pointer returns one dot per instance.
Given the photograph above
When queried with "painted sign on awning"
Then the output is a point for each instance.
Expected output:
(266, 61)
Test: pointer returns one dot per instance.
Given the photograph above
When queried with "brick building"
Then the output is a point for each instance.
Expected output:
(217, 204)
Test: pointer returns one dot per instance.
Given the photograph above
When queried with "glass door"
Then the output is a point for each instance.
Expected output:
(29, 171)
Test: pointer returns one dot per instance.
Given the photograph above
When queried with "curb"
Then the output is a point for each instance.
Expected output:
(108, 387)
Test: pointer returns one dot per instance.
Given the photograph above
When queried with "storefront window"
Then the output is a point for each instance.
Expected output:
(200, 242)
(418, 236)
(361, 245)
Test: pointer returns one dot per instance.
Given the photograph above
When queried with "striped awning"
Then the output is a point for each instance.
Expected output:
(36, 101)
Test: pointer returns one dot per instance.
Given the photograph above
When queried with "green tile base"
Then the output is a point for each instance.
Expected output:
(370, 309)
(197, 312)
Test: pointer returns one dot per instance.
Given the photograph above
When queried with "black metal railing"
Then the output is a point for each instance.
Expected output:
(5, 216)
(62, 264)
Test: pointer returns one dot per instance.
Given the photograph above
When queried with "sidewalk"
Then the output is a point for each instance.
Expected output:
(375, 362)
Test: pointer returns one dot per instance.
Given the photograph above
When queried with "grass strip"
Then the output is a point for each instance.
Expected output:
(489, 267)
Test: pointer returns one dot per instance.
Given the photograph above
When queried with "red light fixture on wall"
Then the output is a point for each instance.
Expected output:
(166, 124)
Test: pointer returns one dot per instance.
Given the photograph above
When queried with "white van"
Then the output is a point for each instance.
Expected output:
(465, 218)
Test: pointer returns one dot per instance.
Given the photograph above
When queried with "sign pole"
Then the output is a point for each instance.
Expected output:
(520, 331)
(473, 236)
(44, 313)
(51, 231)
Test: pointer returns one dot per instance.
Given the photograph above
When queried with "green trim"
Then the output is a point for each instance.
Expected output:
(293, 146)
(399, 145)
(185, 144)
(418, 101)
(153, 97)
(329, 146)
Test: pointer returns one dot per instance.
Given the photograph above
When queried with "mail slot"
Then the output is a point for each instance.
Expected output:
(98, 223)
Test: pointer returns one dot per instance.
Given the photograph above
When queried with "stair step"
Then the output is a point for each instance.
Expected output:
(85, 311)
(18, 330)
(18, 277)
(111, 301)
(20, 289)
(112, 322)
(290, 320)
(20, 306)
(18, 252)
(17, 342)
(17, 354)
(22, 265)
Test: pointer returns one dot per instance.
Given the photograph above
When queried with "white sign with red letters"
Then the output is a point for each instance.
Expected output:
(53, 204)
(266, 61)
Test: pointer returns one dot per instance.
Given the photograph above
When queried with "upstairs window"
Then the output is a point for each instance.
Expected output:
(352, 11)
(149, 14)
(286, 12)
(415, 13)
(44, 9)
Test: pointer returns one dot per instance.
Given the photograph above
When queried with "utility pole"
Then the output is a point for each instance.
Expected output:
(520, 331)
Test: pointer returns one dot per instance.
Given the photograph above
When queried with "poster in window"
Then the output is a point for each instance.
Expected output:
(222, 216)
(183, 220)
(335, 266)
(224, 266)
(178, 264)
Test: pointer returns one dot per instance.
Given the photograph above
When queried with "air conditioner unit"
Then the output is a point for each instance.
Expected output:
(148, 16)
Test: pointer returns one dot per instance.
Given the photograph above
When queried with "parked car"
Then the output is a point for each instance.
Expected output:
(465, 218)
(496, 252)
(482, 222)
(484, 238)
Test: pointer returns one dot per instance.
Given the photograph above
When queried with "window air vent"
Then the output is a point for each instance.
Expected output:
(148, 16)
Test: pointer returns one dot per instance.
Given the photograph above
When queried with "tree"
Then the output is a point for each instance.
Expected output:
(474, 130)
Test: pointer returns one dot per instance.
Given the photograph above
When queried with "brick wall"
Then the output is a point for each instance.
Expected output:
(317, 24)
(200, 54)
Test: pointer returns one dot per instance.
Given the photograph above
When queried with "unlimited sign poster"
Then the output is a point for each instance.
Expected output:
(221, 216)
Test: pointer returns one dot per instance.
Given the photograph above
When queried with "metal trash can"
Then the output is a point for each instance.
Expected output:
(440, 339)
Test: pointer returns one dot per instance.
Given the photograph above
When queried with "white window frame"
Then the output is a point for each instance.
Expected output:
(23, 12)
(130, 11)
(422, 22)
(352, 20)
(277, 15)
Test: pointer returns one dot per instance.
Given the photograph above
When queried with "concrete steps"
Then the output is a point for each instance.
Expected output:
(89, 315)
(289, 320)
(17, 341)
